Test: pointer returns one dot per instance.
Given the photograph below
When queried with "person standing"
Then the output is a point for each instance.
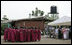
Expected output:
(56, 33)
(64, 30)
(59, 34)
(67, 33)
(46, 31)
(52, 33)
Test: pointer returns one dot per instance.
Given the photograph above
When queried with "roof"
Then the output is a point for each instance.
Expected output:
(61, 21)
(34, 18)
(40, 18)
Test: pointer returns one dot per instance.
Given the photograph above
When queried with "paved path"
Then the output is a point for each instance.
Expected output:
(43, 40)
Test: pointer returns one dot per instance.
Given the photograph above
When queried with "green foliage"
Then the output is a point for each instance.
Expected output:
(42, 12)
(5, 17)
(37, 11)
(2, 33)
(3, 26)
(32, 13)
(42, 33)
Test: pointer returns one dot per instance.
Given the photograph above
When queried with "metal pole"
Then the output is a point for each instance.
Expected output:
(8, 25)
(56, 26)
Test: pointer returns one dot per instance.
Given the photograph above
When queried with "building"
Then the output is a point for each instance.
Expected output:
(38, 22)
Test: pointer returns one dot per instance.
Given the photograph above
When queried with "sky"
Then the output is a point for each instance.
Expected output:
(21, 9)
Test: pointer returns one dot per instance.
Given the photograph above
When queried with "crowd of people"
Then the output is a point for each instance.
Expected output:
(22, 34)
(59, 33)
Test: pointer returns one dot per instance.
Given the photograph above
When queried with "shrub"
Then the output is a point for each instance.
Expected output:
(3, 26)
(42, 33)
(2, 33)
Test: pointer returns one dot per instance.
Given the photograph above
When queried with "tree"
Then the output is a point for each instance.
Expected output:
(41, 13)
(32, 13)
(37, 12)
(5, 17)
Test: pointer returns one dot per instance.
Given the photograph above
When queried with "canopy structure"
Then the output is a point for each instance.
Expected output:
(61, 21)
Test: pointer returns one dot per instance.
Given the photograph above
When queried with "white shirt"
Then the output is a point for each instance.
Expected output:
(56, 30)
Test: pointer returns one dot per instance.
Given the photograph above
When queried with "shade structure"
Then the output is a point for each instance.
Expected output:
(61, 21)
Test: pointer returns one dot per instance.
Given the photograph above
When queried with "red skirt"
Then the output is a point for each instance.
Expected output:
(21, 35)
(17, 35)
(28, 35)
(5, 34)
(12, 36)
(24, 34)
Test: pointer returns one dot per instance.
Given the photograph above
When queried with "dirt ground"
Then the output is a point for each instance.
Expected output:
(43, 40)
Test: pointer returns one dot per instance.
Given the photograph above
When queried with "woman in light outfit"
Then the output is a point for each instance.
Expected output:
(65, 33)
